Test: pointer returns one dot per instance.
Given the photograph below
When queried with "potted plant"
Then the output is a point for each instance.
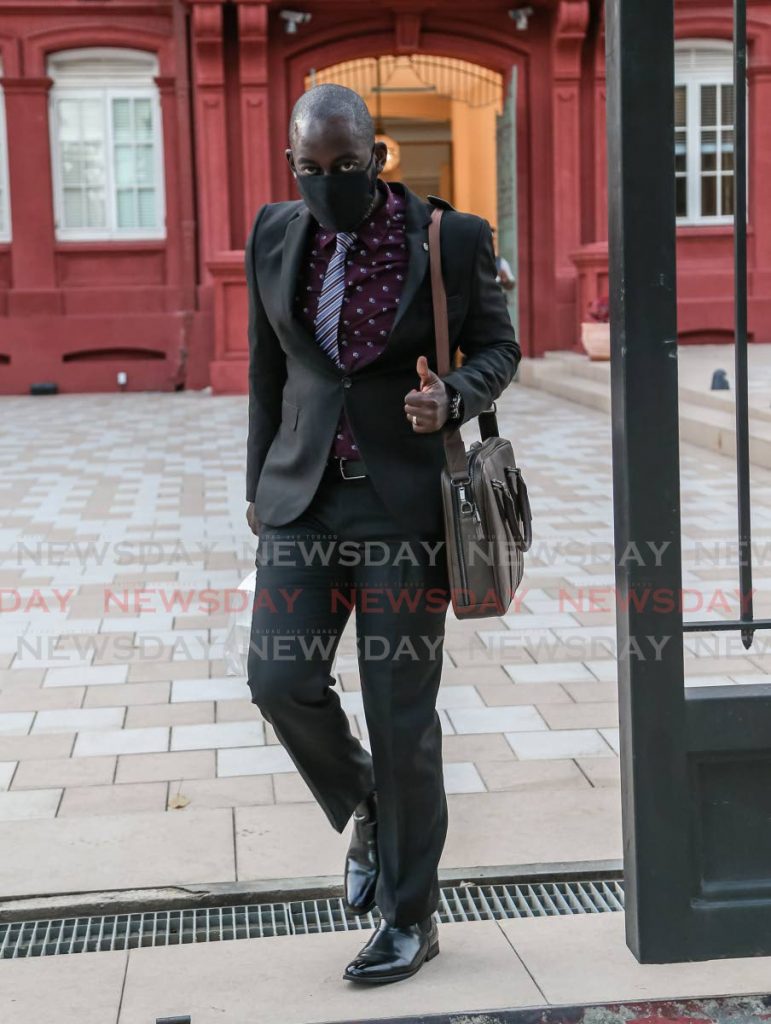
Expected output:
(595, 332)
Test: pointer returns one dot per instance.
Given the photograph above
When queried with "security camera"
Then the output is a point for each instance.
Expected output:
(521, 17)
(294, 18)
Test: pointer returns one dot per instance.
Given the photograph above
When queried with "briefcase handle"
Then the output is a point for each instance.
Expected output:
(454, 450)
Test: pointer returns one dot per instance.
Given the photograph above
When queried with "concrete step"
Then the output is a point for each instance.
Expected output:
(707, 419)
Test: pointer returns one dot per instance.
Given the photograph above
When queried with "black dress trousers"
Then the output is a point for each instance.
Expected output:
(346, 553)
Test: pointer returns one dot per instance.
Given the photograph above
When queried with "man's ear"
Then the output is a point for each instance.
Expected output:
(290, 161)
(381, 155)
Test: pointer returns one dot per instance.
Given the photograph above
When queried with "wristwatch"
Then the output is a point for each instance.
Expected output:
(456, 404)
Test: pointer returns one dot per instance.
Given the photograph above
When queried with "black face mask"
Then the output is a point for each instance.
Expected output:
(340, 202)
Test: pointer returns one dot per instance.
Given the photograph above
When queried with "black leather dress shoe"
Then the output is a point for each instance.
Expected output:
(361, 863)
(394, 954)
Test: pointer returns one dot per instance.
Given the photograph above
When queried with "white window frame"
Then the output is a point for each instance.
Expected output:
(89, 82)
(693, 79)
(5, 195)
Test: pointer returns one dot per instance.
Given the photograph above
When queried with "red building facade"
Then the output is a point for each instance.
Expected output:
(140, 137)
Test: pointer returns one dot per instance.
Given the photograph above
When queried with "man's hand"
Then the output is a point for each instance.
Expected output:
(252, 520)
(428, 407)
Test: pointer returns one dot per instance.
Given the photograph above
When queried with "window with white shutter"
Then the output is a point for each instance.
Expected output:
(704, 132)
(106, 144)
(5, 202)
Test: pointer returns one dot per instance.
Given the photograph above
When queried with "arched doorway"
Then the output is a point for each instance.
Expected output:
(450, 131)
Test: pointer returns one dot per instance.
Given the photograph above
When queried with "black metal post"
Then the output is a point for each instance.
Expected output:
(740, 300)
(646, 473)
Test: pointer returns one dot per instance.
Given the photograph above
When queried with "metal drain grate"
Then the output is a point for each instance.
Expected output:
(300, 917)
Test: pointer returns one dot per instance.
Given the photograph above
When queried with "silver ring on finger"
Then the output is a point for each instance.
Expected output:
(414, 421)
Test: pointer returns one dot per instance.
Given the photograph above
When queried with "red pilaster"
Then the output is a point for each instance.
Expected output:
(572, 19)
(759, 195)
(32, 249)
(600, 143)
(211, 141)
(255, 98)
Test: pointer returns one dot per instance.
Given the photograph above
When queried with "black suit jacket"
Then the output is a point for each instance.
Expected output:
(296, 392)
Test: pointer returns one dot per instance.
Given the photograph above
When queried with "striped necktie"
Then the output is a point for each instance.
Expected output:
(327, 322)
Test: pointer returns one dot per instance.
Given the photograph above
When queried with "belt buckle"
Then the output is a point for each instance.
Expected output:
(340, 460)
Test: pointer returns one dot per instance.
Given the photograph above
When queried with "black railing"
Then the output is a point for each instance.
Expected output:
(746, 622)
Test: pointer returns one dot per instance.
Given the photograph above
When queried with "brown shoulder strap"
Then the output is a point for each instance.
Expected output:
(438, 295)
(454, 450)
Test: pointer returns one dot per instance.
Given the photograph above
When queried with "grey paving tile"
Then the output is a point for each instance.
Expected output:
(169, 714)
(217, 735)
(562, 672)
(121, 741)
(21, 748)
(290, 788)
(241, 791)
(462, 777)
(133, 695)
(15, 723)
(586, 715)
(79, 719)
(123, 799)
(530, 775)
(498, 719)
(289, 840)
(64, 771)
(115, 851)
(600, 771)
(38, 988)
(188, 764)
(253, 761)
(562, 955)
(548, 825)
(35, 698)
(470, 747)
(7, 769)
(223, 688)
(559, 743)
(86, 675)
(36, 803)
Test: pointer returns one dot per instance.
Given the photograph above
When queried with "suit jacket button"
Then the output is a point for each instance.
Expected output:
(347, 382)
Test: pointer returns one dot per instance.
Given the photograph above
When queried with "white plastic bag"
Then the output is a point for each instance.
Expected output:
(239, 630)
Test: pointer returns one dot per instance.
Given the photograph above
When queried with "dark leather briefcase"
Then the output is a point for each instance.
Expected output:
(486, 509)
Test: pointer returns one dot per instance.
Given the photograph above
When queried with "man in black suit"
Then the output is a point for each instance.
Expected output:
(344, 456)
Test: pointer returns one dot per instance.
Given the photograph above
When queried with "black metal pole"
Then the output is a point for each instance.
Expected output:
(646, 473)
(740, 300)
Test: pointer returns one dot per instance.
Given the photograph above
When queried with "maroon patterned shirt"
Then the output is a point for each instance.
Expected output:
(375, 272)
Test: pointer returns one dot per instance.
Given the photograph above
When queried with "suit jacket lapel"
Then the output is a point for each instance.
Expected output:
(291, 258)
(417, 218)
(295, 239)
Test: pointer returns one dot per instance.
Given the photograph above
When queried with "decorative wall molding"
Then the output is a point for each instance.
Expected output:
(407, 32)
(572, 21)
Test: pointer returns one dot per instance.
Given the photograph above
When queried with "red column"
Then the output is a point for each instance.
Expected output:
(759, 144)
(572, 19)
(32, 215)
(253, 66)
(759, 195)
(600, 143)
(211, 142)
(174, 251)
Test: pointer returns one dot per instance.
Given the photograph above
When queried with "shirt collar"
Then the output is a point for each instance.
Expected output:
(370, 233)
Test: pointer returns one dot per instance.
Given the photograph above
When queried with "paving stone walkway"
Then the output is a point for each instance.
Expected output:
(122, 541)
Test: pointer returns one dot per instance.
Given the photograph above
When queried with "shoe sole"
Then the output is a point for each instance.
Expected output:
(432, 952)
(360, 911)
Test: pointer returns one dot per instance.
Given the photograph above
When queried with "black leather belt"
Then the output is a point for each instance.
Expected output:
(348, 469)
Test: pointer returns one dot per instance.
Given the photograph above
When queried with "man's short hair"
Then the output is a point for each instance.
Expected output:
(328, 101)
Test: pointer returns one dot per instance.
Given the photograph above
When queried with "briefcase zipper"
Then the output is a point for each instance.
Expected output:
(459, 492)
